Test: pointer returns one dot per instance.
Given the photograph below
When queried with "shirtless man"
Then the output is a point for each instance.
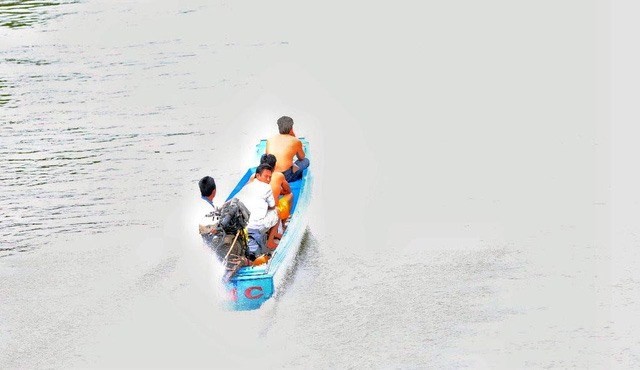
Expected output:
(285, 146)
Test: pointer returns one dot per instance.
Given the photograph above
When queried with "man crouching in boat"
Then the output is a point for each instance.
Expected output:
(257, 196)
(285, 146)
(281, 190)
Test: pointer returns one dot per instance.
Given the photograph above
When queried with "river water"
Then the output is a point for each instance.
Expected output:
(472, 205)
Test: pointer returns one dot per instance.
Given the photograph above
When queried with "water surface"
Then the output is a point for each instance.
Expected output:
(479, 234)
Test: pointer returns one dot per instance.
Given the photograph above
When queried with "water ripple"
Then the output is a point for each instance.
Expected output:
(25, 13)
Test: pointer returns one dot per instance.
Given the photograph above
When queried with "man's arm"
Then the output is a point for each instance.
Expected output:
(271, 202)
(286, 188)
(300, 150)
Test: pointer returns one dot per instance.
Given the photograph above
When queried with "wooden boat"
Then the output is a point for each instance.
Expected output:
(251, 286)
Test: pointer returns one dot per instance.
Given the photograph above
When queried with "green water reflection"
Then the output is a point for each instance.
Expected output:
(4, 94)
(25, 13)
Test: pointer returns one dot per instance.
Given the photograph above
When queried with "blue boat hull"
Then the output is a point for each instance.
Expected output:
(250, 287)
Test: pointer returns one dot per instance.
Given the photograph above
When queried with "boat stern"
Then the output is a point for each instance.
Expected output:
(248, 290)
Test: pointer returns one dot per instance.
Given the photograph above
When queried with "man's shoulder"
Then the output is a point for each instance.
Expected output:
(264, 189)
(293, 143)
(283, 138)
(258, 185)
(278, 178)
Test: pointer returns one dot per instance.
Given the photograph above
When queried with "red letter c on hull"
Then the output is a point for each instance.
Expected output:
(249, 292)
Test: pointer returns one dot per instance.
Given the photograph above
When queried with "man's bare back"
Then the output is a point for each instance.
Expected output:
(285, 147)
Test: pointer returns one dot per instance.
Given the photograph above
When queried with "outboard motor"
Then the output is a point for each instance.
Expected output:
(234, 216)
(227, 237)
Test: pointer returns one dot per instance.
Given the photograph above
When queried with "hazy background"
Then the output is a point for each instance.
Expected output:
(475, 199)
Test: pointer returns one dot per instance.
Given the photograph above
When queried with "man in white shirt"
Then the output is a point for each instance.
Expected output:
(207, 222)
(257, 196)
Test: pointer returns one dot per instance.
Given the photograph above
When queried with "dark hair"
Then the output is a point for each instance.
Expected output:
(207, 186)
(269, 159)
(262, 167)
(285, 124)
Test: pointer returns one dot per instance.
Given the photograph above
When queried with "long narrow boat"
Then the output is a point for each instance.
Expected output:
(251, 286)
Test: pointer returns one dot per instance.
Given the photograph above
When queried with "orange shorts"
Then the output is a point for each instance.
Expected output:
(284, 207)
